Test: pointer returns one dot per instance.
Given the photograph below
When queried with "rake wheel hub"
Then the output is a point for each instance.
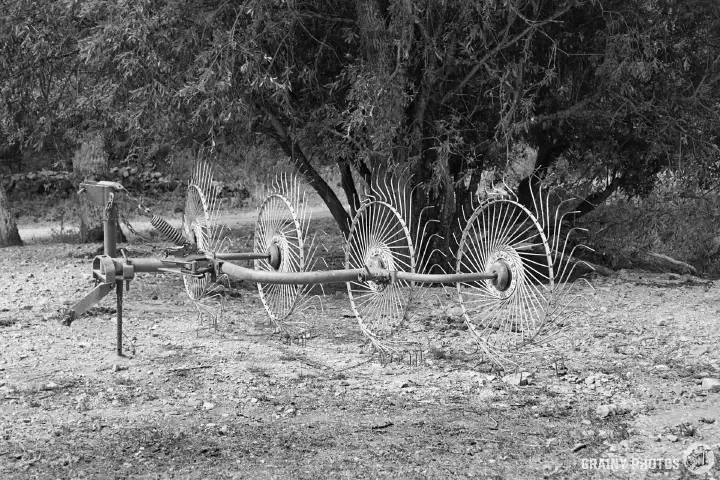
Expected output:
(506, 264)
(375, 261)
(503, 275)
(378, 258)
(275, 256)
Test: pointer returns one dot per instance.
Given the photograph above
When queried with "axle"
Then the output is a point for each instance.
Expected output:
(339, 276)
(107, 269)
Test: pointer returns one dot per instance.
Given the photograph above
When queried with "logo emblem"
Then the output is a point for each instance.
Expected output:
(699, 458)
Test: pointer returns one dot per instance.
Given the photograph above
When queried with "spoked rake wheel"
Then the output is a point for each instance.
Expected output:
(280, 232)
(200, 224)
(512, 310)
(380, 238)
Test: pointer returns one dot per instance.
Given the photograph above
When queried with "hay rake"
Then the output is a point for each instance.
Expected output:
(511, 275)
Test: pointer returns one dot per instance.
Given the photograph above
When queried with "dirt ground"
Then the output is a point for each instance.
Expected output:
(623, 398)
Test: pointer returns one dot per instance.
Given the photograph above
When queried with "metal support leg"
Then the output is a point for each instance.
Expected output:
(95, 295)
(110, 231)
(119, 323)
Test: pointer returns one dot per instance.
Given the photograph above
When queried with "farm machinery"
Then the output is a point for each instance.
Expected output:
(512, 268)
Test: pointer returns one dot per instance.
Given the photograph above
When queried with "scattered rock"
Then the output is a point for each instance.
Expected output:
(604, 411)
(685, 429)
(672, 438)
(402, 383)
(699, 351)
(518, 379)
(578, 447)
(208, 406)
(711, 384)
(118, 368)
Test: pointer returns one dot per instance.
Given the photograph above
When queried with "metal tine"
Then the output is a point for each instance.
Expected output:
(546, 335)
(424, 242)
(496, 356)
(567, 258)
(558, 223)
(305, 299)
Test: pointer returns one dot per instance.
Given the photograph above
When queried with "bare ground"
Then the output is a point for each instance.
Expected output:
(193, 402)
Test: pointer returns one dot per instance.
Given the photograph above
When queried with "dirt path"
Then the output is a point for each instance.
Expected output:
(192, 402)
(42, 232)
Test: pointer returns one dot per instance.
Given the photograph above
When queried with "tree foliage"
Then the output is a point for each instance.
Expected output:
(612, 91)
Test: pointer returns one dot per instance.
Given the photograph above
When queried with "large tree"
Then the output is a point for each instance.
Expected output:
(618, 89)
(38, 78)
(9, 235)
(367, 84)
(635, 89)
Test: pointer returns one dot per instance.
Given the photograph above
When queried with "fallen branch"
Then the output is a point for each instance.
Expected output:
(666, 280)
(380, 427)
(488, 440)
(599, 269)
(663, 263)
(289, 356)
(185, 369)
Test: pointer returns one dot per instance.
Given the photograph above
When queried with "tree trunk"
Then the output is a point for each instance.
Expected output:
(304, 167)
(348, 185)
(548, 150)
(9, 235)
(591, 202)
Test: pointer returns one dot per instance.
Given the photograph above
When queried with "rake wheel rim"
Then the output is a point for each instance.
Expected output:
(505, 318)
(198, 226)
(278, 227)
(367, 246)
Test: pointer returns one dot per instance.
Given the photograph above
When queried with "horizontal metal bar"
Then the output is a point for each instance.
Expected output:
(143, 265)
(444, 277)
(242, 256)
(339, 276)
(289, 278)
(156, 265)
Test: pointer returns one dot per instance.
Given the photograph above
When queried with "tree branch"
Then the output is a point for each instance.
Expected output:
(302, 165)
(482, 61)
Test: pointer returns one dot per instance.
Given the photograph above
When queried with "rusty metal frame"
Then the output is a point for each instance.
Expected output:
(110, 271)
